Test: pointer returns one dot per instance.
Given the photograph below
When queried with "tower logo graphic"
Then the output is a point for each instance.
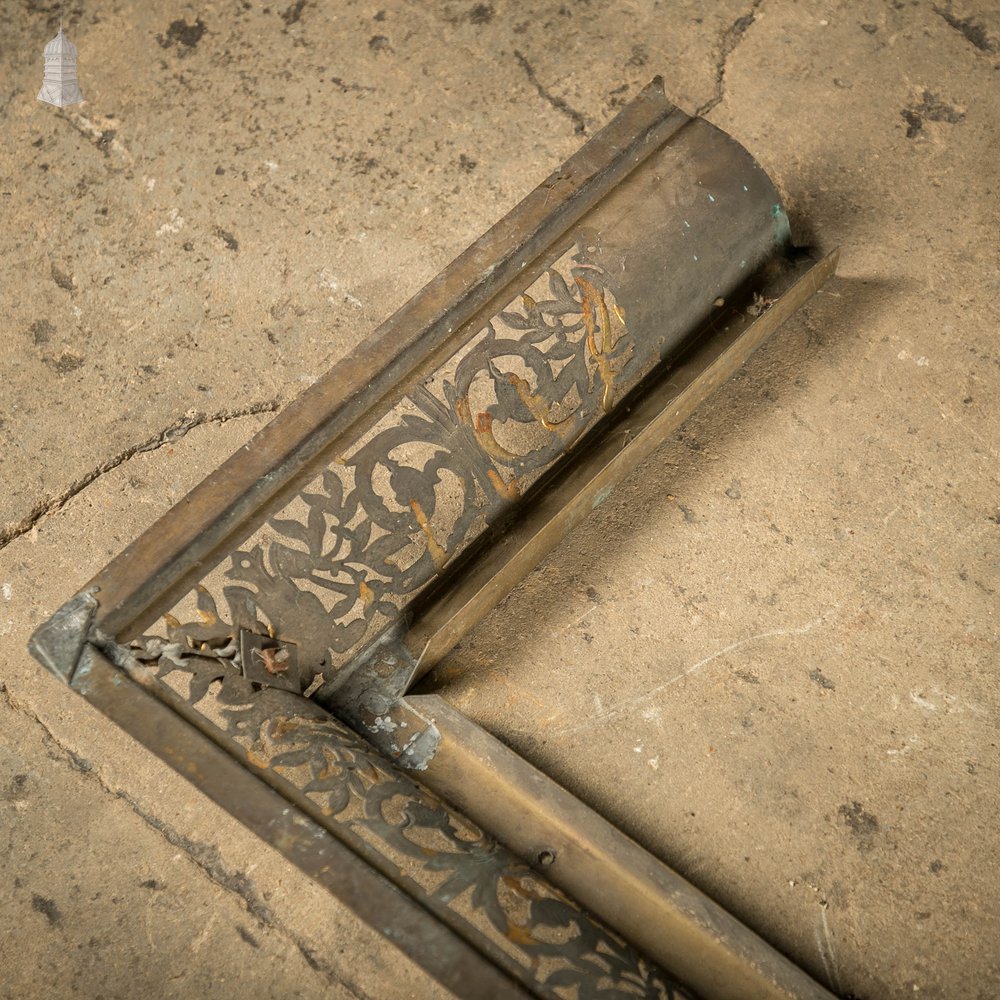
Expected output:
(59, 85)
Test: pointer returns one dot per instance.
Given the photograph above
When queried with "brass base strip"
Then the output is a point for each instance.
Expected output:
(661, 913)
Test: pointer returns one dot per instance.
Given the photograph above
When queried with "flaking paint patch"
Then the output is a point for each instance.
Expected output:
(419, 751)
(920, 362)
(174, 225)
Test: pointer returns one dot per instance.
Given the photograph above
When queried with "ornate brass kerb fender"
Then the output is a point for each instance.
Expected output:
(262, 636)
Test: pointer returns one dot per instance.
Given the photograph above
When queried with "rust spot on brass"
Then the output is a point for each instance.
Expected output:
(509, 491)
(519, 935)
(438, 554)
(596, 320)
(275, 661)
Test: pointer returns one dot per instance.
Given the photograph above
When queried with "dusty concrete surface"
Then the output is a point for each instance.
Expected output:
(771, 656)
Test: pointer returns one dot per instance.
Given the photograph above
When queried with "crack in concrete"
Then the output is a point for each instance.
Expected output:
(207, 857)
(731, 38)
(174, 432)
(579, 122)
(345, 86)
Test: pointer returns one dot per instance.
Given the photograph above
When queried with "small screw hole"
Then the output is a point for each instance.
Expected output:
(546, 857)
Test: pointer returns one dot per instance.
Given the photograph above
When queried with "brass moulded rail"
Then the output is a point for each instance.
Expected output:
(304, 586)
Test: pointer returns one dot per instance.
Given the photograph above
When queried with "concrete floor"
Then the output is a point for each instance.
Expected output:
(771, 657)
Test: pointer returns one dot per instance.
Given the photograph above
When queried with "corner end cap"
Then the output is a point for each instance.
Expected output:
(58, 643)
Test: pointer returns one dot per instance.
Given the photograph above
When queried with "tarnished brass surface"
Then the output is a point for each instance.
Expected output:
(339, 785)
(200, 754)
(304, 585)
(166, 560)
(663, 914)
(622, 445)
(487, 383)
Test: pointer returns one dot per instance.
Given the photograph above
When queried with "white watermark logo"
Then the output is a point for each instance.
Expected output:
(60, 85)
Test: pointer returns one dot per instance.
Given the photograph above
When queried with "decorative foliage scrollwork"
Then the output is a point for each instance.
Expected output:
(339, 563)
(411, 835)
